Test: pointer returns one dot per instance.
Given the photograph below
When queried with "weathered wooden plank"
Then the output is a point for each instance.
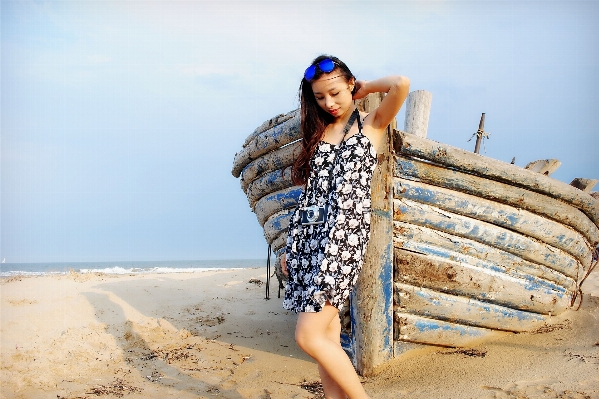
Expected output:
(372, 300)
(414, 146)
(585, 185)
(419, 329)
(277, 159)
(280, 242)
(484, 266)
(409, 236)
(418, 109)
(544, 166)
(495, 236)
(551, 208)
(440, 273)
(268, 183)
(277, 201)
(276, 224)
(509, 217)
(269, 124)
(457, 309)
(533, 281)
(267, 141)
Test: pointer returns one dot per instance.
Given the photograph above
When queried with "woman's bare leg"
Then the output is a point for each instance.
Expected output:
(332, 390)
(312, 335)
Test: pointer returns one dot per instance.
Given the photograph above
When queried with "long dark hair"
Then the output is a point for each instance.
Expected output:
(314, 119)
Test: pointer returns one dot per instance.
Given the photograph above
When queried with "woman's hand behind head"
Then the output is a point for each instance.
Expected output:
(360, 90)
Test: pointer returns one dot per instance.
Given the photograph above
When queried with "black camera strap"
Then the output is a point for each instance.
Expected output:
(350, 123)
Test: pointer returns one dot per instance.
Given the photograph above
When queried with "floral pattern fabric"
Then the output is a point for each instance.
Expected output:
(324, 260)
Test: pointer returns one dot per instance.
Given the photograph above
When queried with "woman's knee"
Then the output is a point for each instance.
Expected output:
(304, 337)
(312, 328)
(308, 337)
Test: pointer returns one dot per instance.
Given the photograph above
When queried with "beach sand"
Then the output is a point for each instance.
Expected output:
(212, 335)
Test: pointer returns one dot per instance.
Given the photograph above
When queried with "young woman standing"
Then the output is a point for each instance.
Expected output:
(329, 230)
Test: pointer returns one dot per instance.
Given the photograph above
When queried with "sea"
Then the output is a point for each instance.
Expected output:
(128, 267)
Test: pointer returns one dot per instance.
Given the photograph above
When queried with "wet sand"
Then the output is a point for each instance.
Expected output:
(212, 335)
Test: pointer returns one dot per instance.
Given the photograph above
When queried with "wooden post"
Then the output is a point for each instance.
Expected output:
(479, 134)
(544, 166)
(585, 185)
(372, 299)
(418, 109)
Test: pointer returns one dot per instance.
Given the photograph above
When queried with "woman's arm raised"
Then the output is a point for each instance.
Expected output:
(397, 89)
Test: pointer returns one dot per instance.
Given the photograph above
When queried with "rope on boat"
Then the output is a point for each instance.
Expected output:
(267, 297)
(481, 135)
(579, 283)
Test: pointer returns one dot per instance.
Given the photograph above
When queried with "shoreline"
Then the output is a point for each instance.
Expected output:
(211, 334)
(126, 267)
(115, 271)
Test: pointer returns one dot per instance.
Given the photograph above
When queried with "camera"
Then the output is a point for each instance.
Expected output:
(313, 214)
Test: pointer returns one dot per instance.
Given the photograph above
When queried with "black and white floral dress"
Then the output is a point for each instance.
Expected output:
(324, 260)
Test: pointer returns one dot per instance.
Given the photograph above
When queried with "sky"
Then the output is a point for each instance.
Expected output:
(120, 119)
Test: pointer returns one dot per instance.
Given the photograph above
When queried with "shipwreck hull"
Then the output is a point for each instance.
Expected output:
(478, 251)
(463, 246)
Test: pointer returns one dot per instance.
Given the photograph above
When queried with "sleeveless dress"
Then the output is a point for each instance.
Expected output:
(324, 260)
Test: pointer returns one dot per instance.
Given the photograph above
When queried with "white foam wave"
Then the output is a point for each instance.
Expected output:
(159, 270)
(16, 273)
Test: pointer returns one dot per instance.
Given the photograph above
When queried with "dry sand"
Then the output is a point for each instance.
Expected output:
(212, 335)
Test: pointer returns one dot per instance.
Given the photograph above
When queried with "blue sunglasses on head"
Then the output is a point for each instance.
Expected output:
(326, 66)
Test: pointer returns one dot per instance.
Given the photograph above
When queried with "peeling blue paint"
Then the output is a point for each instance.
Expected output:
(273, 177)
(505, 240)
(281, 222)
(386, 277)
(347, 343)
(573, 244)
(532, 282)
(289, 195)
(434, 325)
(482, 315)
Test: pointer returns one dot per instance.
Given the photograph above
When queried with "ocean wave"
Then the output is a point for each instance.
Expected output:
(159, 270)
(117, 270)
(16, 273)
(125, 267)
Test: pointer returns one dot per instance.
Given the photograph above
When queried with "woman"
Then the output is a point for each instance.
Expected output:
(329, 230)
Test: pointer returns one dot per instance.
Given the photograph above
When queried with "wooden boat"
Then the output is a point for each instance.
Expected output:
(462, 246)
